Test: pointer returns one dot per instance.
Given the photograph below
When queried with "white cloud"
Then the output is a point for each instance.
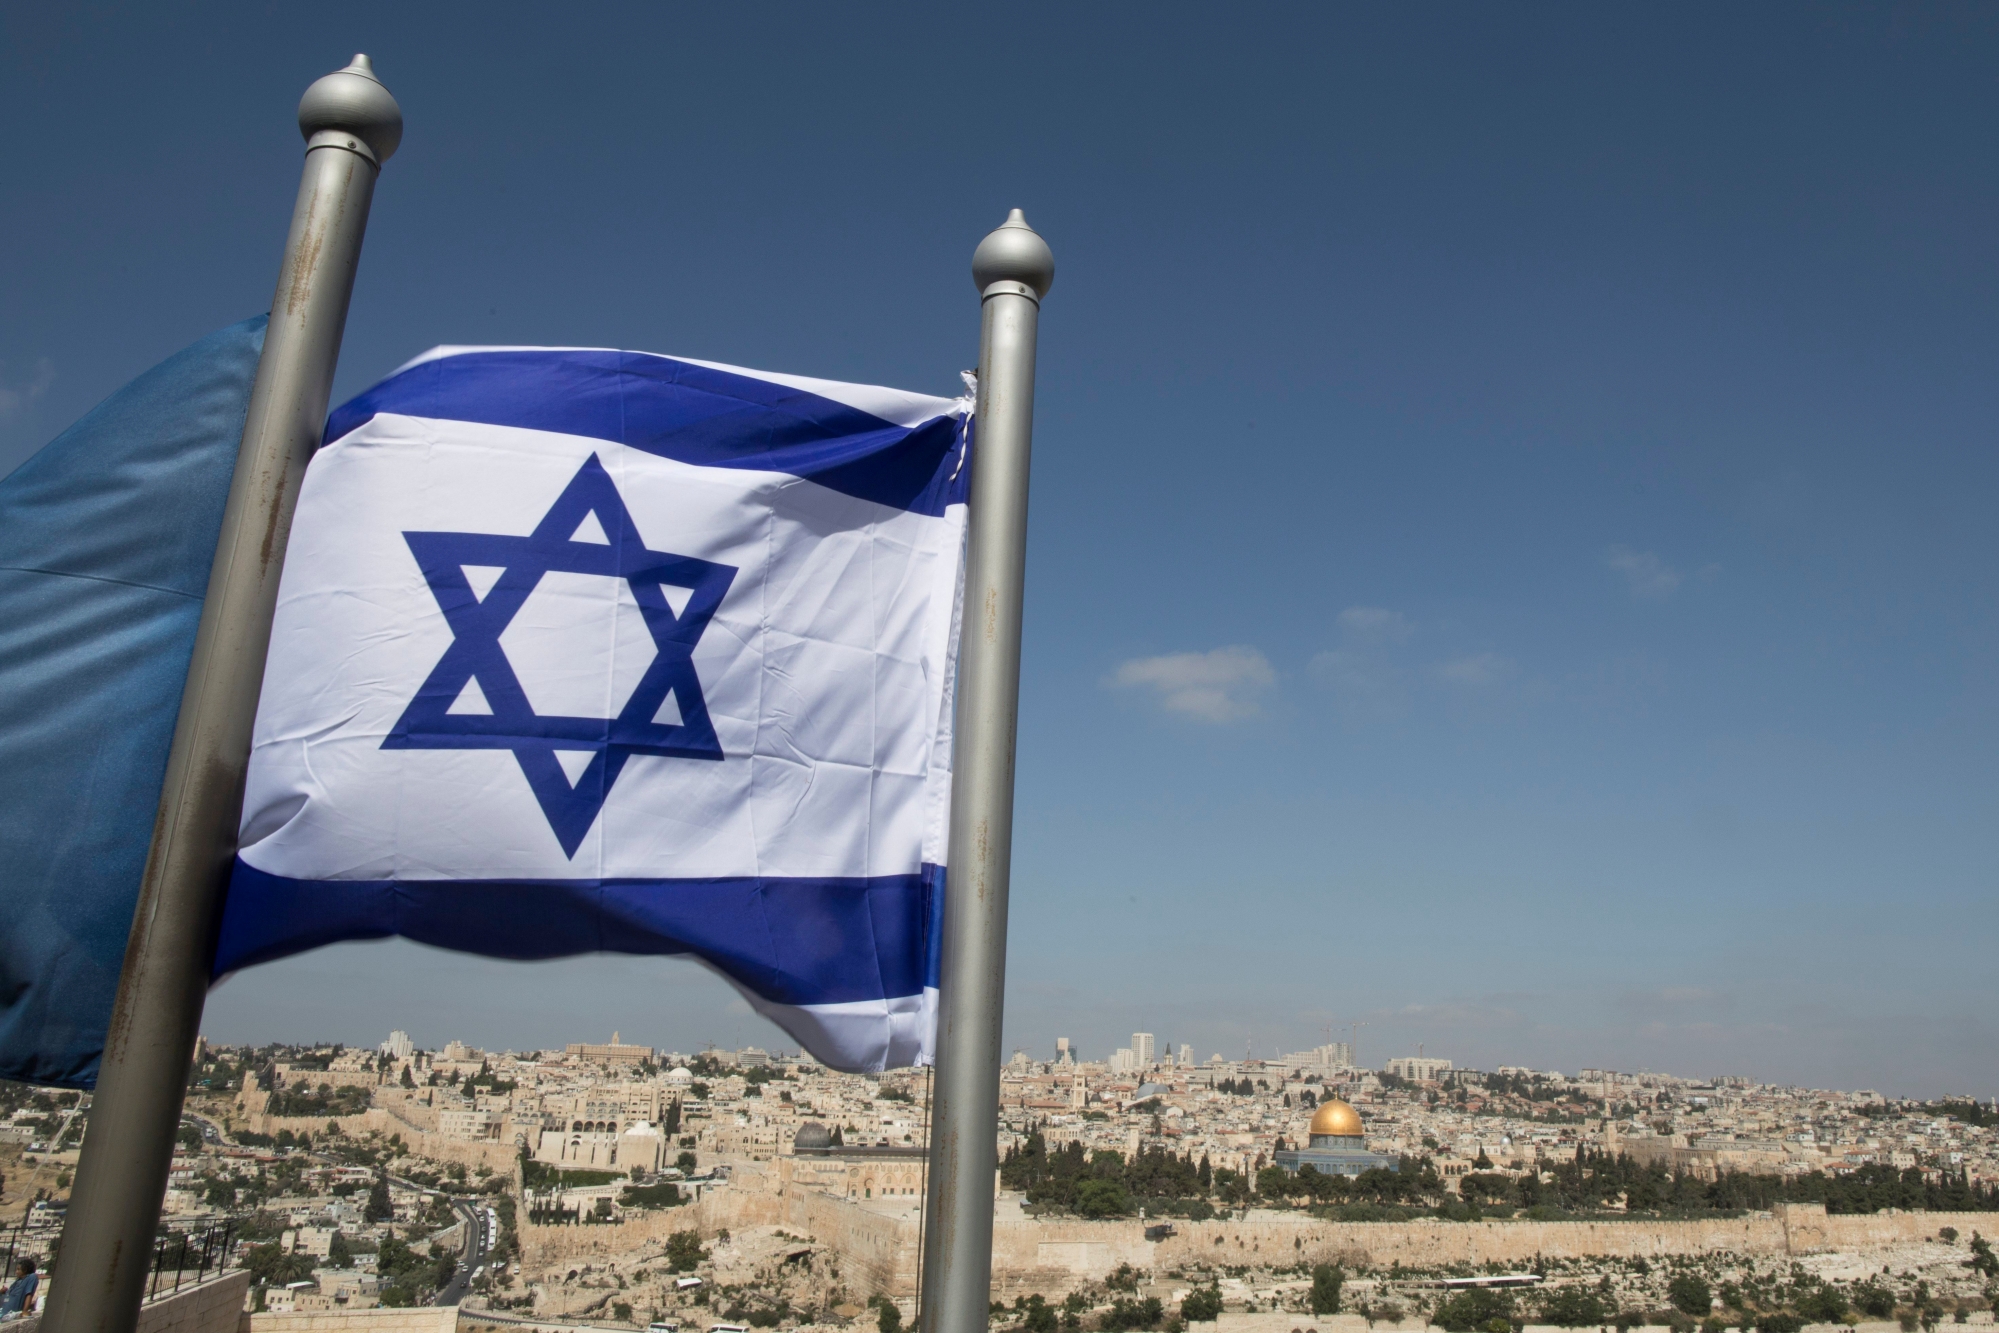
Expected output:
(1361, 672)
(1374, 624)
(13, 399)
(1219, 686)
(1473, 670)
(1648, 575)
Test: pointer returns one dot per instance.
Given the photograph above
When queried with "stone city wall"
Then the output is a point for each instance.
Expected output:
(550, 1245)
(1791, 1229)
(878, 1252)
(422, 1141)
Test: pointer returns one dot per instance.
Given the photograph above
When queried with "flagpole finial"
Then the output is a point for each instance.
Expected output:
(353, 101)
(1014, 253)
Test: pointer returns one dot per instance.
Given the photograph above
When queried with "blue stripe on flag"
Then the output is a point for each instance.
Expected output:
(678, 410)
(791, 941)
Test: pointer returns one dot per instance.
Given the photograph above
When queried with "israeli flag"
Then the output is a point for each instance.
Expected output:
(583, 650)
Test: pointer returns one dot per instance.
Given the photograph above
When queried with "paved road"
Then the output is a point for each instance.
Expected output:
(473, 1214)
(210, 1131)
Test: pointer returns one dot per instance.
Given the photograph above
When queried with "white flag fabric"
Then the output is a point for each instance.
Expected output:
(583, 650)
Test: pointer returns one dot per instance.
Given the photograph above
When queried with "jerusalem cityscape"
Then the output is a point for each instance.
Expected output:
(1049, 668)
(610, 1185)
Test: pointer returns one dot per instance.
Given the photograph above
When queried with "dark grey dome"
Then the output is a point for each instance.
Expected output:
(812, 1134)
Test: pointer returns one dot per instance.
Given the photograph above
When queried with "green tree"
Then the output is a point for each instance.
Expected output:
(1690, 1294)
(1875, 1301)
(1475, 1307)
(1203, 1305)
(1101, 1198)
(269, 1265)
(1326, 1282)
(338, 1253)
(378, 1208)
(1126, 1314)
(1573, 1307)
(889, 1318)
(664, 1194)
(683, 1251)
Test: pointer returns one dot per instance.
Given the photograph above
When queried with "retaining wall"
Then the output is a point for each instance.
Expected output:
(409, 1319)
(214, 1306)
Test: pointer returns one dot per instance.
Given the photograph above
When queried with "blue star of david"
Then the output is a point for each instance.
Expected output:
(429, 723)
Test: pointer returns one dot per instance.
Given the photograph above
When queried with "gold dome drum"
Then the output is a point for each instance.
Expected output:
(1335, 1117)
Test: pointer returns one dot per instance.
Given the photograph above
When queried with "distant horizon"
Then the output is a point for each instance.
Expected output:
(774, 1041)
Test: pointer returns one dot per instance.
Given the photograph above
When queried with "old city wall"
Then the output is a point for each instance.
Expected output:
(406, 1120)
(553, 1245)
(1053, 1256)
(1440, 1244)
(878, 1252)
(1792, 1229)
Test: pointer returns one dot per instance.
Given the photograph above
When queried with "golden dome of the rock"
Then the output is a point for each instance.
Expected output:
(1336, 1117)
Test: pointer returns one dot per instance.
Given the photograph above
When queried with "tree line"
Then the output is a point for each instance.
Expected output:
(1104, 1183)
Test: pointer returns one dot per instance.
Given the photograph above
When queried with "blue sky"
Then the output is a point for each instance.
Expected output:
(1511, 563)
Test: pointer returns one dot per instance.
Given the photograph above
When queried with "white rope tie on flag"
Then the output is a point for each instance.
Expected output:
(970, 403)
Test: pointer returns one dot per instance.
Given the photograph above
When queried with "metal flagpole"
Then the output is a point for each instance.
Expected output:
(1013, 270)
(351, 125)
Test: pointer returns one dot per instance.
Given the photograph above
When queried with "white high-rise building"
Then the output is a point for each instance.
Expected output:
(1123, 1060)
(1141, 1049)
(1334, 1055)
(398, 1046)
(1186, 1056)
(1065, 1054)
(1419, 1068)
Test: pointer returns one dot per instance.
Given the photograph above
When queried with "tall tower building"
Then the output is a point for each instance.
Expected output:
(1141, 1050)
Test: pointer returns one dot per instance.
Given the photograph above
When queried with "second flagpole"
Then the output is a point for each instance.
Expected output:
(1013, 270)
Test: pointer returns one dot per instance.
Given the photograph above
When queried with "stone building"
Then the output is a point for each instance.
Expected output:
(1337, 1144)
(878, 1171)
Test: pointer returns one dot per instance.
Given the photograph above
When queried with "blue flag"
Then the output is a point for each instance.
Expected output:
(582, 650)
(106, 537)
